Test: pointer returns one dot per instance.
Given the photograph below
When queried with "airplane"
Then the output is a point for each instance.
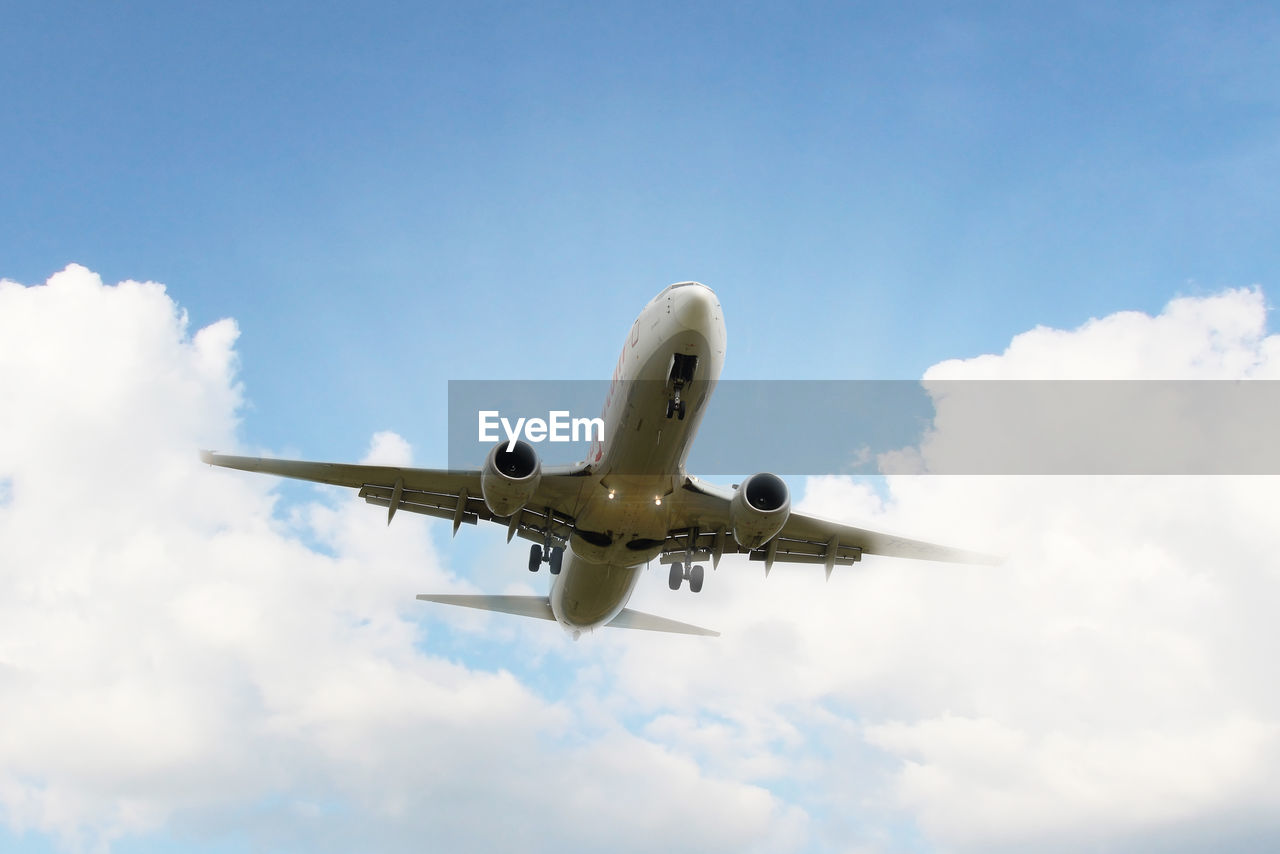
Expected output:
(598, 523)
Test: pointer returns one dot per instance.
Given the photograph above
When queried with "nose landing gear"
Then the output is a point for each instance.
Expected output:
(680, 375)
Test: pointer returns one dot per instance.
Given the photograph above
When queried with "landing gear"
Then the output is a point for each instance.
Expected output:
(554, 555)
(679, 572)
(680, 375)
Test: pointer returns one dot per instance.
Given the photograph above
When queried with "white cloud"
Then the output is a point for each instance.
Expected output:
(984, 423)
(1221, 336)
(1111, 680)
(388, 449)
(174, 656)
(1108, 686)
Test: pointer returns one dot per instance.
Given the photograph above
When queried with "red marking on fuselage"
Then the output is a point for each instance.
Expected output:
(596, 452)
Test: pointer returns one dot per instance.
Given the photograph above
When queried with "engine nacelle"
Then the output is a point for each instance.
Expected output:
(759, 509)
(510, 477)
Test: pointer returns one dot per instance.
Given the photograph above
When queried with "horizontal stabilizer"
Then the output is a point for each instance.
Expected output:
(540, 607)
(629, 619)
(525, 606)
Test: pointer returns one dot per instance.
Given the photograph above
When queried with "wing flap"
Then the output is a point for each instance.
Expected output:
(427, 503)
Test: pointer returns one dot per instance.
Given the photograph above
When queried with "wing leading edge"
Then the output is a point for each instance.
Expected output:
(441, 493)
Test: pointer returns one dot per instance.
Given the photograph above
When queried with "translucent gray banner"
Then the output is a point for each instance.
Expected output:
(912, 427)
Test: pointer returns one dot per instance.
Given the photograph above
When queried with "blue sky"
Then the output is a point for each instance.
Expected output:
(869, 187)
(390, 196)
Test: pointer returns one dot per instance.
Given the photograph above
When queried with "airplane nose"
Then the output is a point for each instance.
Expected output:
(696, 306)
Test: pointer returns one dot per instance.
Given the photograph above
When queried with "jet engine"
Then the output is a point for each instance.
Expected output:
(758, 510)
(509, 477)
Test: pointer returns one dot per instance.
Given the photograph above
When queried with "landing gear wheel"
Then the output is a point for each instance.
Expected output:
(557, 557)
(676, 576)
(680, 410)
(671, 408)
(695, 578)
(535, 557)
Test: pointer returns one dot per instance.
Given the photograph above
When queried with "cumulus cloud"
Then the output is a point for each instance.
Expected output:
(175, 657)
(1219, 336)
(181, 654)
(1108, 686)
(1124, 394)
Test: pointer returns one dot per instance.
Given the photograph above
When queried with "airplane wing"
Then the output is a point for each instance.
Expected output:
(705, 534)
(442, 493)
(700, 518)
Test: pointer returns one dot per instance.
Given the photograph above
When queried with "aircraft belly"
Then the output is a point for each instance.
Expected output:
(627, 529)
(586, 595)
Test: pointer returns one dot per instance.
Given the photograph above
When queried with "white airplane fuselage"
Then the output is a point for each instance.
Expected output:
(622, 520)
